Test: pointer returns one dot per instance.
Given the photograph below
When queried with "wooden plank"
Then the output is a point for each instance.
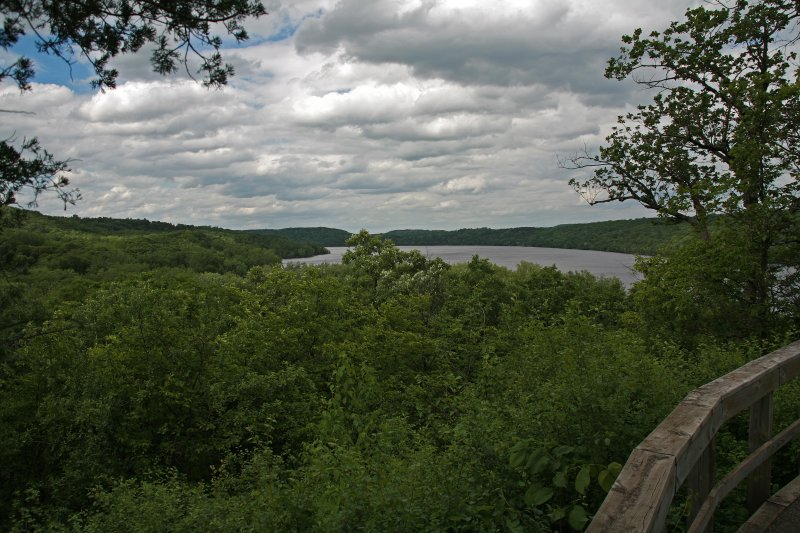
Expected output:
(758, 484)
(790, 370)
(751, 392)
(763, 519)
(684, 434)
(789, 494)
(640, 497)
(737, 390)
(772, 508)
(754, 379)
(786, 359)
(741, 472)
(699, 483)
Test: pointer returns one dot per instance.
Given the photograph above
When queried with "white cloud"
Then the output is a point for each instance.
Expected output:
(381, 114)
(467, 183)
(364, 104)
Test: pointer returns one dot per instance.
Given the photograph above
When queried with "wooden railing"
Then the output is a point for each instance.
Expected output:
(681, 449)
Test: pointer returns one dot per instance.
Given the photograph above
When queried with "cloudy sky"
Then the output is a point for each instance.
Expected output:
(376, 114)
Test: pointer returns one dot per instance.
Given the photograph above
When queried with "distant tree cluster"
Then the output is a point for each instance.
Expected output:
(46, 260)
(641, 236)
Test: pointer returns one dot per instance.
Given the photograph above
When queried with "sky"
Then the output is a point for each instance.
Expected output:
(375, 114)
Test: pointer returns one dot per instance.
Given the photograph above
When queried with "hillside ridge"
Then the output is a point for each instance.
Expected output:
(639, 236)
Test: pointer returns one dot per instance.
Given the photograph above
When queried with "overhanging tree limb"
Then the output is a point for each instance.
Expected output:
(98, 31)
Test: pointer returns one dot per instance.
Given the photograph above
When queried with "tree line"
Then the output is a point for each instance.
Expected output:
(638, 236)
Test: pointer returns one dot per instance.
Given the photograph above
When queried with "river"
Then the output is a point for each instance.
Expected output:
(604, 264)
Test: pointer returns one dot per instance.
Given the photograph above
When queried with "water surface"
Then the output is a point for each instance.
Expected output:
(604, 264)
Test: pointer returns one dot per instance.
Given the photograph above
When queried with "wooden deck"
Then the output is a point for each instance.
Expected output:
(681, 449)
(779, 514)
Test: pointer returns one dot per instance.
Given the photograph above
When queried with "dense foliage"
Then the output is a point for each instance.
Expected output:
(154, 387)
(48, 261)
(284, 246)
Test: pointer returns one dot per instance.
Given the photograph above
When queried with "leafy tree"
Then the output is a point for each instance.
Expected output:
(696, 289)
(720, 135)
(99, 31)
(32, 167)
(389, 271)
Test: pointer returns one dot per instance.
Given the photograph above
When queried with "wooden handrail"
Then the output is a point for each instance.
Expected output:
(681, 446)
(740, 473)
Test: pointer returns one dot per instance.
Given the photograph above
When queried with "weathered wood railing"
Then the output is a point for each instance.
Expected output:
(681, 449)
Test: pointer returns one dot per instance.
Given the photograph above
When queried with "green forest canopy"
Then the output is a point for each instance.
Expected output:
(165, 377)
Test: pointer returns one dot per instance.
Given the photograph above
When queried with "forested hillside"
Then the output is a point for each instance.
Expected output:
(321, 236)
(46, 261)
(161, 381)
(283, 246)
(639, 236)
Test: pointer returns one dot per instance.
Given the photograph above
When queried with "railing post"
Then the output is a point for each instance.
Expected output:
(758, 484)
(700, 482)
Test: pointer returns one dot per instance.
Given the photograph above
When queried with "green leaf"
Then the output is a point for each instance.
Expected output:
(538, 461)
(582, 480)
(518, 454)
(537, 495)
(517, 458)
(557, 514)
(558, 451)
(577, 518)
(605, 480)
(609, 475)
(513, 525)
(560, 479)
